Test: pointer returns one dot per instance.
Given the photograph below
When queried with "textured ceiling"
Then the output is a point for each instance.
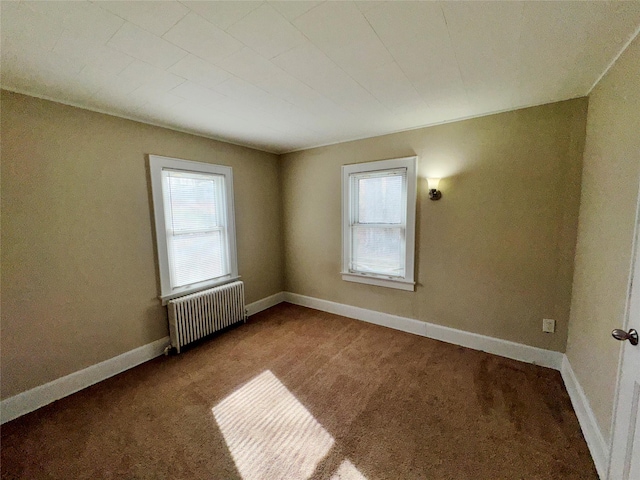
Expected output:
(286, 75)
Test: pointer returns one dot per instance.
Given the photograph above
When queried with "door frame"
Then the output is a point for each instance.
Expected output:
(617, 430)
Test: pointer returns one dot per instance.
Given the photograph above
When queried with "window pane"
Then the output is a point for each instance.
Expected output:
(380, 199)
(195, 201)
(195, 232)
(378, 250)
(196, 257)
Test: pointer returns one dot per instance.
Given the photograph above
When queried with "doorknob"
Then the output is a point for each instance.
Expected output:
(621, 335)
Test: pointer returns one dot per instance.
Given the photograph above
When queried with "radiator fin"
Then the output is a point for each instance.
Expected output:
(200, 314)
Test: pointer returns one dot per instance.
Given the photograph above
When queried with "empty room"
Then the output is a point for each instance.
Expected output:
(339, 240)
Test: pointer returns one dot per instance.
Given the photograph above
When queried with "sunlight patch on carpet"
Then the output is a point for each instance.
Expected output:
(347, 471)
(270, 434)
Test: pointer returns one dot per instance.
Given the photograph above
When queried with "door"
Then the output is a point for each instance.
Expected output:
(625, 447)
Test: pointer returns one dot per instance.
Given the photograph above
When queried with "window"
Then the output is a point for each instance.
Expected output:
(195, 230)
(378, 222)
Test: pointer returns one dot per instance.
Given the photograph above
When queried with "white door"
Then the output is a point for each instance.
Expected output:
(625, 447)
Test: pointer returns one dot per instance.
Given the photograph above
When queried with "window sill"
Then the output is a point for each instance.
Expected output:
(198, 288)
(378, 281)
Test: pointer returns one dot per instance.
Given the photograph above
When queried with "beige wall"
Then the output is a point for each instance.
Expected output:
(494, 255)
(79, 270)
(607, 216)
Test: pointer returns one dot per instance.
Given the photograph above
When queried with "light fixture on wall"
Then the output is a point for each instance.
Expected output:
(434, 193)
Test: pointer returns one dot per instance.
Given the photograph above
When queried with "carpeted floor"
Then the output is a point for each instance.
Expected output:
(297, 393)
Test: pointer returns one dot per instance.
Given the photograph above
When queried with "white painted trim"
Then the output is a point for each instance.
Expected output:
(276, 151)
(525, 353)
(133, 118)
(403, 324)
(380, 282)
(496, 346)
(42, 395)
(37, 397)
(350, 175)
(162, 215)
(615, 59)
(265, 303)
(598, 447)
(434, 124)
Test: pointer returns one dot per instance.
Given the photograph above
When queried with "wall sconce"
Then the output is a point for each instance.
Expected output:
(434, 193)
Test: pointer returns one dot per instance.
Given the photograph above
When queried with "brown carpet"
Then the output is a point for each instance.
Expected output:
(298, 393)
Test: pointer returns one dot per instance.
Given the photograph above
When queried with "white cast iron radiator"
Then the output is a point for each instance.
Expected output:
(199, 314)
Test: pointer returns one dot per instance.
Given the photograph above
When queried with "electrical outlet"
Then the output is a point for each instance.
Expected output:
(548, 325)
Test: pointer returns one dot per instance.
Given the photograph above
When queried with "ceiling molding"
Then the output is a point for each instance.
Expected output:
(289, 76)
(615, 59)
(133, 119)
(445, 122)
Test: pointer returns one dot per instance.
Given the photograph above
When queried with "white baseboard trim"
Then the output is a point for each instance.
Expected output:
(37, 397)
(496, 346)
(265, 303)
(42, 395)
(592, 434)
(547, 358)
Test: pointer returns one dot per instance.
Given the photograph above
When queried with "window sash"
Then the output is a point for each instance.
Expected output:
(358, 264)
(355, 192)
(355, 225)
(404, 224)
(182, 277)
(174, 236)
(223, 264)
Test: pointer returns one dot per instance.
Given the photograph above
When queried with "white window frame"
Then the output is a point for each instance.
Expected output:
(348, 215)
(156, 165)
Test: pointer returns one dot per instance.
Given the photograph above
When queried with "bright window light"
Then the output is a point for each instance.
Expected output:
(195, 227)
(378, 222)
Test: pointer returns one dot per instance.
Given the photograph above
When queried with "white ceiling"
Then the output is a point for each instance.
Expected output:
(287, 75)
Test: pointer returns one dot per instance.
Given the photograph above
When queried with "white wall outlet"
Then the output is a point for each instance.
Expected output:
(548, 325)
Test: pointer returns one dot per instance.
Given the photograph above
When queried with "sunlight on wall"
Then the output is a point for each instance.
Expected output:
(270, 434)
(441, 164)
